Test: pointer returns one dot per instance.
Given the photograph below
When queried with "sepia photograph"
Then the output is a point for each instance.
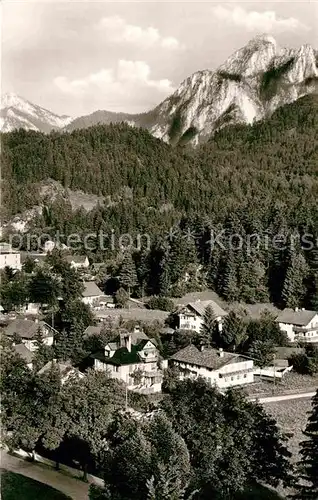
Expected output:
(159, 250)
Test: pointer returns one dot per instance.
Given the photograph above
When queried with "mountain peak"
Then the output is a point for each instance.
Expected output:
(263, 38)
(10, 99)
(17, 112)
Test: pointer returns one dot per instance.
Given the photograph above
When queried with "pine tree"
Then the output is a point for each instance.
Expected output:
(227, 282)
(128, 274)
(233, 331)
(208, 327)
(164, 273)
(294, 285)
(307, 487)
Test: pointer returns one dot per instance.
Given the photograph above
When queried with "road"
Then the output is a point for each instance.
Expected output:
(74, 488)
(286, 397)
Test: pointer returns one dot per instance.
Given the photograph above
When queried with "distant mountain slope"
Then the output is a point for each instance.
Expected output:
(248, 86)
(239, 163)
(17, 112)
(145, 120)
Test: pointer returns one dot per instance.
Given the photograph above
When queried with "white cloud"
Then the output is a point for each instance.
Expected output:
(116, 29)
(129, 80)
(266, 21)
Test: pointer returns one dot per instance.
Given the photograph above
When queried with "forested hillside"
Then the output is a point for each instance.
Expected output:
(246, 179)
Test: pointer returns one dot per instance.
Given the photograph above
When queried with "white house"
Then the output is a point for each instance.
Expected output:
(222, 369)
(134, 359)
(92, 294)
(9, 258)
(77, 261)
(27, 330)
(299, 324)
(191, 316)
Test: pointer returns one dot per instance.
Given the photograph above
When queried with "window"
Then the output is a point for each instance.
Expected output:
(245, 375)
(232, 378)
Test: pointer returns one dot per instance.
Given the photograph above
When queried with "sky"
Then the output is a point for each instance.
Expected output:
(74, 57)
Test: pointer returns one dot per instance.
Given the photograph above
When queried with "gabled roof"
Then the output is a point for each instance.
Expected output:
(209, 358)
(92, 330)
(25, 328)
(91, 289)
(199, 306)
(64, 367)
(24, 352)
(122, 356)
(298, 318)
(77, 259)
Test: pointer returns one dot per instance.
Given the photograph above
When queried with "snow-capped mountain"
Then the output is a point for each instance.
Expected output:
(248, 86)
(16, 112)
(251, 84)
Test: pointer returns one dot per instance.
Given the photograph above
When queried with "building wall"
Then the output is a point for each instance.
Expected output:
(305, 336)
(230, 375)
(31, 343)
(124, 373)
(194, 322)
(12, 260)
(90, 300)
(289, 329)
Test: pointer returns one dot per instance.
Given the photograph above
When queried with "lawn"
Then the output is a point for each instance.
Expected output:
(15, 486)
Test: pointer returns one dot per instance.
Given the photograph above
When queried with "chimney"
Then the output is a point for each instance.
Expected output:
(202, 348)
(125, 340)
(36, 320)
(296, 309)
(221, 352)
(137, 329)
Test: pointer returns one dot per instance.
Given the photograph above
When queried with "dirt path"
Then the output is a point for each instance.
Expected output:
(284, 397)
(70, 486)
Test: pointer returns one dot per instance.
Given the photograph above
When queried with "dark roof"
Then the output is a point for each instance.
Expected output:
(91, 289)
(78, 259)
(299, 318)
(122, 356)
(24, 352)
(208, 358)
(199, 306)
(25, 328)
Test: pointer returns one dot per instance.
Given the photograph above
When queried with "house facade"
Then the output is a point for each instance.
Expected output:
(77, 261)
(219, 368)
(27, 330)
(190, 317)
(93, 295)
(300, 325)
(134, 359)
(9, 258)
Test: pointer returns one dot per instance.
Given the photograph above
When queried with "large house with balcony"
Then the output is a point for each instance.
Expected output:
(222, 369)
(300, 325)
(27, 331)
(133, 358)
(191, 316)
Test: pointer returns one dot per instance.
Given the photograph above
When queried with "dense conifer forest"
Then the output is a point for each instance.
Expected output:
(260, 179)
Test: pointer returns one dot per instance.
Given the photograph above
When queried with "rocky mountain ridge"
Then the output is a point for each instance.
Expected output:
(248, 86)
